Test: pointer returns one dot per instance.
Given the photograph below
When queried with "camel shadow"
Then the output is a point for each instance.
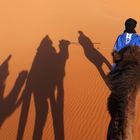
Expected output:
(9, 103)
(45, 78)
(93, 55)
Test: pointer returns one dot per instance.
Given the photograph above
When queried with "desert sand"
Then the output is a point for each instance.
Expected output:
(23, 26)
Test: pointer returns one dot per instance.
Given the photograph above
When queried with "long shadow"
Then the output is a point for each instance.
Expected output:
(46, 75)
(93, 55)
(9, 103)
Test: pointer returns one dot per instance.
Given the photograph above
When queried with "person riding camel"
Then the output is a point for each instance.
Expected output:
(128, 38)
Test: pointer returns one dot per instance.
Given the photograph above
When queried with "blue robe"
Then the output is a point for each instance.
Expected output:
(127, 39)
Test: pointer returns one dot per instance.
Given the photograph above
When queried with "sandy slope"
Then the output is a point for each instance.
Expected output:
(23, 25)
(85, 98)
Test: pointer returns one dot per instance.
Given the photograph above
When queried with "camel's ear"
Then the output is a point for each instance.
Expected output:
(116, 56)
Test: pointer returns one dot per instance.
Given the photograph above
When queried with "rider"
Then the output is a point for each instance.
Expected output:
(128, 38)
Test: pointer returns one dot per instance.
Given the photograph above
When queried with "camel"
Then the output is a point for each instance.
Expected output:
(124, 82)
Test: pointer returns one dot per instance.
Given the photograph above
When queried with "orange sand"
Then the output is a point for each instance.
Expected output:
(24, 24)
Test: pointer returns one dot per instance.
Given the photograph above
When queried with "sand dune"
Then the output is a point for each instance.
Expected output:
(23, 25)
(85, 98)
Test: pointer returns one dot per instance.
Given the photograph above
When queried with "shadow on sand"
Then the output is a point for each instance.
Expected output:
(93, 55)
(9, 103)
(45, 83)
(45, 78)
